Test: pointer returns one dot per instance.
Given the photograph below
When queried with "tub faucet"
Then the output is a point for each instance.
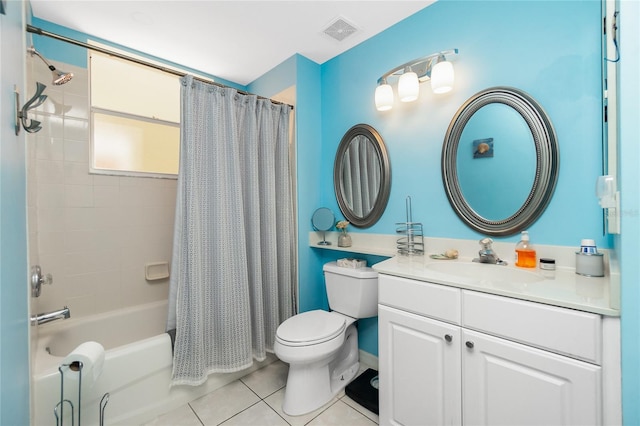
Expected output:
(487, 255)
(44, 318)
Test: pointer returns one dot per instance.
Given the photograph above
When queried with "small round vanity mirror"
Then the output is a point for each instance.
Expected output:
(500, 161)
(323, 220)
(362, 176)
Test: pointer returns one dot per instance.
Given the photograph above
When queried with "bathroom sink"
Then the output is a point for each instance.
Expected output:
(485, 272)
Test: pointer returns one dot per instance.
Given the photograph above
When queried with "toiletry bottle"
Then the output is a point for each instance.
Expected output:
(525, 253)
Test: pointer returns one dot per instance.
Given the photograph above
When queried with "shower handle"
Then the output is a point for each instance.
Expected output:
(38, 279)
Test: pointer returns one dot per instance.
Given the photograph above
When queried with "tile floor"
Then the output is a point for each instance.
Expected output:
(256, 399)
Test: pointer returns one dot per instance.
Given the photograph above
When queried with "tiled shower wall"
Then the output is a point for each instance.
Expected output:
(93, 233)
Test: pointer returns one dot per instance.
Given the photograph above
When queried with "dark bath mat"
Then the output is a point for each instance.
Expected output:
(362, 390)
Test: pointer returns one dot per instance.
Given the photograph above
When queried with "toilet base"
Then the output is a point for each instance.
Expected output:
(310, 386)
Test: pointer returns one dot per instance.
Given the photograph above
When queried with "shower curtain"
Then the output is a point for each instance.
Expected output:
(233, 266)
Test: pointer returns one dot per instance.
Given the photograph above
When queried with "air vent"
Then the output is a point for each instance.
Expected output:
(340, 29)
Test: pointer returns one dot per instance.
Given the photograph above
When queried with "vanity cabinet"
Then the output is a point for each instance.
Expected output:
(451, 356)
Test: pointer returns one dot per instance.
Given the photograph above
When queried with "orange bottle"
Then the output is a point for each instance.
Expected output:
(525, 253)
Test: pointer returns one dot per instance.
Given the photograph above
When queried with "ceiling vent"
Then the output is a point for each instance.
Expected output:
(340, 29)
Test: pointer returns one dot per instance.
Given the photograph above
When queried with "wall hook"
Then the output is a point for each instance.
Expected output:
(31, 126)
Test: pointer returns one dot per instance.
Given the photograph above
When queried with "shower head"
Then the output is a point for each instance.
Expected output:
(59, 77)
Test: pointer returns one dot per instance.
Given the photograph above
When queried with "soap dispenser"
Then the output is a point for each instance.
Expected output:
(525, 253)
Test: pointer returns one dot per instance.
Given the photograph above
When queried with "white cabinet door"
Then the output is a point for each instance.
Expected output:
(420, 370)
(506, 383)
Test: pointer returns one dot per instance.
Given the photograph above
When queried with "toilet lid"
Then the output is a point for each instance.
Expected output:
(311, 327)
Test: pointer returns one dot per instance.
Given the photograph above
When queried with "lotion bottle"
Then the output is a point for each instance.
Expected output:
(525, 253)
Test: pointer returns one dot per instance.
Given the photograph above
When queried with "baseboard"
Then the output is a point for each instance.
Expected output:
(368, 359)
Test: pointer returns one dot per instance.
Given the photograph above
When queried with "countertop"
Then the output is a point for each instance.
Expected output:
(562, 287)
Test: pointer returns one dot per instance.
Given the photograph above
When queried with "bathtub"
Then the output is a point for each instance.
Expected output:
(136, 372)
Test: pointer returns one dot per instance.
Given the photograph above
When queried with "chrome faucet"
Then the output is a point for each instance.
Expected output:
(44, 318)
(487, 255)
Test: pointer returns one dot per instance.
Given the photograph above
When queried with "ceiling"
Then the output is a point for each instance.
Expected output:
(235, 40)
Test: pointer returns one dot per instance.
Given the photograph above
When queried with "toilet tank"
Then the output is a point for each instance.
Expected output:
(352, 291)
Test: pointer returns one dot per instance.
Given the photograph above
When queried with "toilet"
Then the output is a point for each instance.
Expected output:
(321, 347)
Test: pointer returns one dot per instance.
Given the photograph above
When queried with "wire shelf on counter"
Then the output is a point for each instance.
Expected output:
(413, 241)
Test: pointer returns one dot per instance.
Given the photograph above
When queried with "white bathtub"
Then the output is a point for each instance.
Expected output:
(136, 372)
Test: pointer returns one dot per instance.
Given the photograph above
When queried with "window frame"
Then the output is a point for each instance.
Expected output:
(93, 170)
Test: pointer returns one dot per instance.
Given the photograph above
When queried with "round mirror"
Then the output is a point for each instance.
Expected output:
(500, 161)
(323, 220)
(362, 176)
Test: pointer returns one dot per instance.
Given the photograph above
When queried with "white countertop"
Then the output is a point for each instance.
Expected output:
(562, 287)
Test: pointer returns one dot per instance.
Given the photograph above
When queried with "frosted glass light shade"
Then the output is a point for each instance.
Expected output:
(384, 97)
(442, 77)
(408, 87)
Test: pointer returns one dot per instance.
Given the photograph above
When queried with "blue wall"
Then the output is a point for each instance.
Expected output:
(14, 314)
(530, 45)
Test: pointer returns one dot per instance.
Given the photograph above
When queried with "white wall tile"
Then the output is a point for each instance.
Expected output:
(77, 174)
(106, 196)
(78, 196)
(76, 129)
(136, 290)
(79, 240)
(106, 180)
(53, 149)
(79, 218)
(51, 219)
(50, 242)
(49, 172)
(77, 151)
(81, 305)
(93, 232)
(50, 195)
(76, 106)
(107, 217)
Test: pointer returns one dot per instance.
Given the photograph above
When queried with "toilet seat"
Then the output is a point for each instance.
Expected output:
(310, 328)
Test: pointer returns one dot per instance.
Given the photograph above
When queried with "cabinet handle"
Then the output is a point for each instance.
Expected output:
(469, 344)
(448, 338)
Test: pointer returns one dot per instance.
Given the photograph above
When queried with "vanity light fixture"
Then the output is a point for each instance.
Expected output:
(434, 67)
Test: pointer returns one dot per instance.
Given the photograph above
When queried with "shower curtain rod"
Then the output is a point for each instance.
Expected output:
(40, 31)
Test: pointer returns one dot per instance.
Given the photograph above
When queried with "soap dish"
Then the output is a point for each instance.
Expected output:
(156, 271)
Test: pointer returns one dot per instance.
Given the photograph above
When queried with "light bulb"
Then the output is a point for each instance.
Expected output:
(384, 97)
(408, 87)
(442, 77)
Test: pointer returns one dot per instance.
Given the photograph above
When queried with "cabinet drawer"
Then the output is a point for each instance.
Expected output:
(431, 300)
(565, 331)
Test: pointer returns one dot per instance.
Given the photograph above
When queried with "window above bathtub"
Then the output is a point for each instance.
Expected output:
(135, 118)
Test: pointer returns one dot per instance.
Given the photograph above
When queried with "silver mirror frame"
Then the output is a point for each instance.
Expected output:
(547, 161)
(385, 176)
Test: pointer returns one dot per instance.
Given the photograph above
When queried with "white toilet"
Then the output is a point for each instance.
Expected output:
(322, 347)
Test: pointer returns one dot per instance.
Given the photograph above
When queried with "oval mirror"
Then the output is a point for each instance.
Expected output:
(500, 161)
(362, 176)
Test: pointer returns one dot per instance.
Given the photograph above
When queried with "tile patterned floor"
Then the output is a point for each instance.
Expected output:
(256, 399)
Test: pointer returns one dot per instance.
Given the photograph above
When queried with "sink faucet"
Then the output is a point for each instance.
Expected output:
(44, 318)
(487, 255)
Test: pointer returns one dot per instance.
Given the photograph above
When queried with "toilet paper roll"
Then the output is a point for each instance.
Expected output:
(91, 355)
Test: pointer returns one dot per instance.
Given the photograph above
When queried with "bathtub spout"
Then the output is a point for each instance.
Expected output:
(50, 316)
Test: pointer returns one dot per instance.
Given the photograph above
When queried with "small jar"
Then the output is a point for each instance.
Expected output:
(548, 268)
(547, 264)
